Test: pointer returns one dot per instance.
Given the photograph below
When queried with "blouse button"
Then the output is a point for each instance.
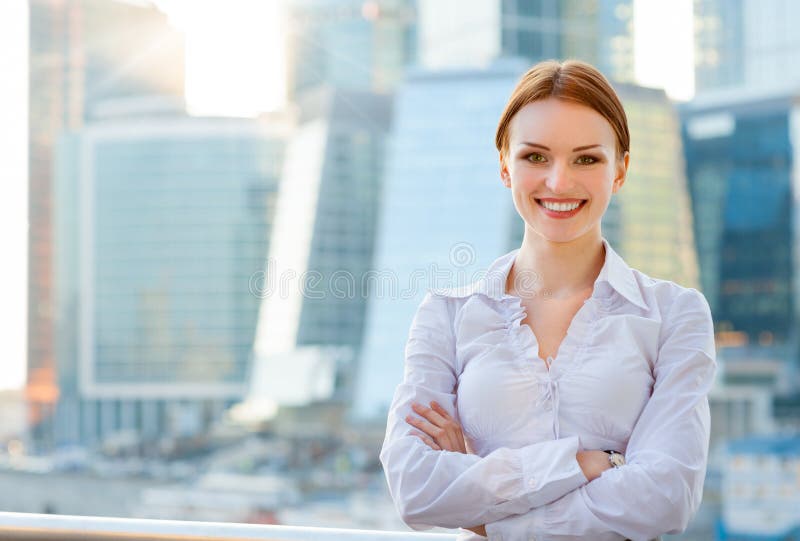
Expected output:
(532, 483)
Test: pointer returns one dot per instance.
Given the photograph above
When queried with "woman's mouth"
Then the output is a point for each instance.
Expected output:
(561, 210)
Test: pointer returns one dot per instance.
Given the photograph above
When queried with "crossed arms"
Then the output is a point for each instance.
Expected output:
(540, 489)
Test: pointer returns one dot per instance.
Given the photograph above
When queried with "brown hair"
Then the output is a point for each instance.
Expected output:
(570, 80)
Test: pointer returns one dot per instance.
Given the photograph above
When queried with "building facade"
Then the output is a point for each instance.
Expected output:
(162, 222)
(745, 45)
(745, 205)
(597, 31)
(81, 51)
(651, 218)
(761, 489)
(313, 298)
(349, 44)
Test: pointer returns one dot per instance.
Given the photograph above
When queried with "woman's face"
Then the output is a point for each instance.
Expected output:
(562, 151)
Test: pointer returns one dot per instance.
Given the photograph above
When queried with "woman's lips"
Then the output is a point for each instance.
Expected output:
(561, 214)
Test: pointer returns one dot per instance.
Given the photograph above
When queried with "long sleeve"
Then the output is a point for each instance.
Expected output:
(660, 487)
(449, 489)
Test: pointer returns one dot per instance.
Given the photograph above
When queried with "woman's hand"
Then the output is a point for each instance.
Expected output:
(440, 431)
(480, 530)
(593, 463)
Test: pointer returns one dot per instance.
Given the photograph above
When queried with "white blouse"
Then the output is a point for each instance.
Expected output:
(632, 374)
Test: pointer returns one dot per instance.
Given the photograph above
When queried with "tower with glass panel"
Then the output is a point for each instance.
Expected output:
(162, 222)
(350, 44)
(741, 159)
(746, 45)
(321, 249)
(597, 31)
(650, 219)
(81, 51)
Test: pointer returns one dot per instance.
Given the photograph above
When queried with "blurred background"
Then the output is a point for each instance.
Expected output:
(218, 219)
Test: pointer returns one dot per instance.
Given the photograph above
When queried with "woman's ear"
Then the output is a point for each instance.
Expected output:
(622, 171)
(505, 176)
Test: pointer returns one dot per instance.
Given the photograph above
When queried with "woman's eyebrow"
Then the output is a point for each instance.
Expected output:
(576, 149)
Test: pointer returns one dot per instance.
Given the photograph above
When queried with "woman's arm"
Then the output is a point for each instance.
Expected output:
(660, 487)
(440, 432)
(451, 489)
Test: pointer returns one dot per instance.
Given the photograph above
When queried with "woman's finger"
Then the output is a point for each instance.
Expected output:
(440, 410)
(452, 427)
(451, 432)
(433, 431)
(429, 442)
(430, 415)
(458, 435)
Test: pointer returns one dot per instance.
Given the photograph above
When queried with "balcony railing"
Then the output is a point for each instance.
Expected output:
(28, 526)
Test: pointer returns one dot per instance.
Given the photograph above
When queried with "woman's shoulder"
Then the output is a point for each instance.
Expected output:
(446, 305)
(665, 293)
(442, 303)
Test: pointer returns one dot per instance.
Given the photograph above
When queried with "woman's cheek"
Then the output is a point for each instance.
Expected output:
(523, 202)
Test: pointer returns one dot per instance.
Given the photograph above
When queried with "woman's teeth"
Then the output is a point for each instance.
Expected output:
(560, 207)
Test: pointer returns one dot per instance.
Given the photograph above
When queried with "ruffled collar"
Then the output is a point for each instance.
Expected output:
(615, 275)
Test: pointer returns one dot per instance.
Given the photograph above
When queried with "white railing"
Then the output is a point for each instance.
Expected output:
(30, 527)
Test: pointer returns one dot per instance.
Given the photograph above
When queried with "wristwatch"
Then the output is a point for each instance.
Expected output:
(615, 458)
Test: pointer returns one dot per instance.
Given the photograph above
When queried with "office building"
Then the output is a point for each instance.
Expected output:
(597, 31)
(162, 222)
(81, 51)
(760, 492)
(316, 282)
(650, 220)
(741, 159)
(745, 45)
(349, 44)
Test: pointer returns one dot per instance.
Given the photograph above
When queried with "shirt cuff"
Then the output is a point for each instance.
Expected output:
(517, 527)
(549, 475)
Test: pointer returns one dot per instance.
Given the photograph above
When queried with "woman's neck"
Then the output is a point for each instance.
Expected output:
(556, 270)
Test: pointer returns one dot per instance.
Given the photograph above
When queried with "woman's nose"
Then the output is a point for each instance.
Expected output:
(558, 180)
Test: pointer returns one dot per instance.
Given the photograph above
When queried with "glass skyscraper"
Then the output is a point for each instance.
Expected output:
(349, 44)
(652, 221)
(322, 243)
(741, 45)
(741, 159)
(81, 51)
(597, 31)
(162, 221)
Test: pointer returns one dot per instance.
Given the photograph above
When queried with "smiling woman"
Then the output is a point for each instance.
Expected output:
(551, 398)
(234, 55)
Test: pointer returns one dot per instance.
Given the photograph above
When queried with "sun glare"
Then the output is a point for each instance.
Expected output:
(235, 52)
(234, 55)
(664, 45)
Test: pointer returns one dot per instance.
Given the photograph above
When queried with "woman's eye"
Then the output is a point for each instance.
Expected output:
(587, 160)
(535, 157)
